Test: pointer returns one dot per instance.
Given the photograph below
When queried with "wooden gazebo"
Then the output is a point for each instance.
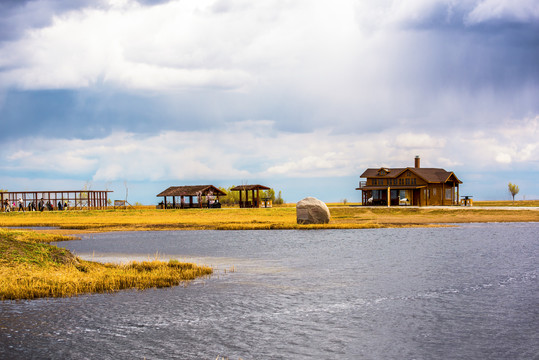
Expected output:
(179, 193)
(255, 195)
(54, 200)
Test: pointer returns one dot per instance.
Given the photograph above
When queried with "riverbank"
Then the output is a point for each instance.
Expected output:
(342, 217)
(30, 268)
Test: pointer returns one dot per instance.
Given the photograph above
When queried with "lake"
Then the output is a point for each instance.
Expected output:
(466, 292)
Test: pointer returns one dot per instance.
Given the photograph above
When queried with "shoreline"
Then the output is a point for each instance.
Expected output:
(74, 222)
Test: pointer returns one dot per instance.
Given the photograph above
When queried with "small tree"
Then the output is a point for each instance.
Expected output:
(513, 189)
(279, 200)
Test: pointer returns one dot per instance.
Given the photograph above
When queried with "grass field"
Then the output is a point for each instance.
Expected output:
(71, 222)
(30, 268)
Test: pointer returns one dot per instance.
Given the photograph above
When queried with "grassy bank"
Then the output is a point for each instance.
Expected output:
(30, 268)
(239, 219)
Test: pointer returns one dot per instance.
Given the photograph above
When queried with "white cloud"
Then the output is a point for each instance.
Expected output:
(503, 158)
(418, 141)
(241, 153)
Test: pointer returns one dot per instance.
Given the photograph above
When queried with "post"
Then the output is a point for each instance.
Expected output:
(443, 194)
(388, 196)
(241, 205)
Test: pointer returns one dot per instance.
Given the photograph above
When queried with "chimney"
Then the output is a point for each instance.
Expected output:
(417, 162)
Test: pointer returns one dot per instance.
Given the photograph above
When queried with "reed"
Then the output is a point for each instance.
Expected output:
(30, 269)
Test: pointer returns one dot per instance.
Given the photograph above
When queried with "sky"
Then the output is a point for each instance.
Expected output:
(300, 95)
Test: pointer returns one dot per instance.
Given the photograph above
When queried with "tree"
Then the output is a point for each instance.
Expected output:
(270, 194)
(279, 200)
(513, 189)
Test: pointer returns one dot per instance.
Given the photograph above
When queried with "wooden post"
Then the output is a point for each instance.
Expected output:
(165, 203)
(174, 202)
(241, 204)
(443, 193)
(388, 196)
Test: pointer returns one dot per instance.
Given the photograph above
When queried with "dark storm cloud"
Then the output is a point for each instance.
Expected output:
(20, 16)
(465, 63)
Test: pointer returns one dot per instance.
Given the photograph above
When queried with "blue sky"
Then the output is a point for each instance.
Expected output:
(299, 95)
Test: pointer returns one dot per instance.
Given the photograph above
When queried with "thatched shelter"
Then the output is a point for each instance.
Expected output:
(205, 196)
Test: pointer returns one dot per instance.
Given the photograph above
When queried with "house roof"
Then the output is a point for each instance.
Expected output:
(249, 187)
(191, 190)
(431, 175)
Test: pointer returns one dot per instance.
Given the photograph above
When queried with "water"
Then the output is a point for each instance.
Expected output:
(469, 292)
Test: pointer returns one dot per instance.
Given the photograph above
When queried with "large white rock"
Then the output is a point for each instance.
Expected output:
(312, 211)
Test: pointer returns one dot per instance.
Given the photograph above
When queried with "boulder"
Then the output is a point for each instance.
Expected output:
(312, 211)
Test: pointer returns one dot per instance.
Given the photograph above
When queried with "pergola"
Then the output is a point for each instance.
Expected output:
(191, 191)
(76, 199)
(255, 197)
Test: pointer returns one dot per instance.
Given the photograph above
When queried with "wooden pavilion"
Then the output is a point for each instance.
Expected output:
(255, 197)
(54, 200)
(205, 195)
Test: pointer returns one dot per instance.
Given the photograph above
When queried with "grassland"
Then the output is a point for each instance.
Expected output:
(71, 222)
(30, 268)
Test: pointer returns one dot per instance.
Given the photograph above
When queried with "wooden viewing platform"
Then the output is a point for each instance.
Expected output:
(255, 197)
(49, 200)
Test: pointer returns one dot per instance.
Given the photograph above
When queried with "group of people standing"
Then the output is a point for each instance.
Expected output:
(41, 205)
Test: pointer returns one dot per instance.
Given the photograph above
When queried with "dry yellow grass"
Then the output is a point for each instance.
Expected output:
(30, 269)
(274, 218)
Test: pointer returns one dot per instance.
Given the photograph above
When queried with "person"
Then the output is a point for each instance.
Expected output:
(65, 205)
(40, 205)
(21, 205)
(60, 205)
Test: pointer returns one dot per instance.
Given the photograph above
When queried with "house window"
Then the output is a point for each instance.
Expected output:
(448, 194)
(407, 181)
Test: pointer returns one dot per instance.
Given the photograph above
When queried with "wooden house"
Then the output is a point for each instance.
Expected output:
(409, 186)
(199, 196)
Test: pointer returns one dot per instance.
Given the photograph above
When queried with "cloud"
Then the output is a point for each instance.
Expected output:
(522, 11)
(418, 141)
(300, 64)
(240, 153)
